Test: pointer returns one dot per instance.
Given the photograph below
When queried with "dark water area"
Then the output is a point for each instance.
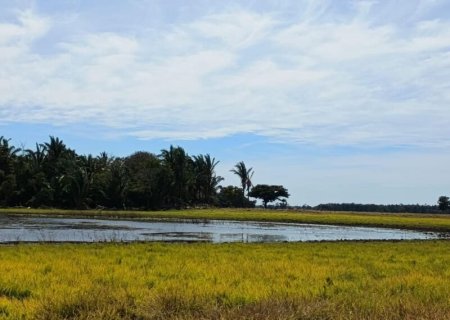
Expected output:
(44, 229)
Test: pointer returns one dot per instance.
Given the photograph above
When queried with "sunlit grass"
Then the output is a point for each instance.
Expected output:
(347, 280)
(409, 221)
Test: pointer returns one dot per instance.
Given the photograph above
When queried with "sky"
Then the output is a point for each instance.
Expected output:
(339, 101)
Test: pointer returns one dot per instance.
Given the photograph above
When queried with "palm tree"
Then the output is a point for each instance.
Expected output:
(179, 164)
(249, 183)
(55, 149)
(76, 186)
(206, 179)
(36, 157)
(244, 174)
(41, 192)
(8, 158)
(59, 163)
(114, 187)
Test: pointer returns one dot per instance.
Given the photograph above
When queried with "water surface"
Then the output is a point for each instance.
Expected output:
(45, 229)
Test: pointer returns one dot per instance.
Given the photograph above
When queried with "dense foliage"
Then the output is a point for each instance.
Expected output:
(268, 193)
(53, 175)
(443, 203)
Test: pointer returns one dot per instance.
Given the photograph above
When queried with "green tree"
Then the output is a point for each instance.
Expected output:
(443, 203)
(60, 165)
(180, 168)
(100, 172)
(268, 193)
(232, 197)
(245, 175)
(117, 184)
(40, 191)
(52, 175)
(206, 180)
(146, 180)
(8, 158)
(36, 157)
(75, 186)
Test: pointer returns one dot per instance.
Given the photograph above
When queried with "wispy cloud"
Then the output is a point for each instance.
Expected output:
(329, 75)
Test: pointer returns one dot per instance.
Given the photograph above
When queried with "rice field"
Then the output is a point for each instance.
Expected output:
(327, 280)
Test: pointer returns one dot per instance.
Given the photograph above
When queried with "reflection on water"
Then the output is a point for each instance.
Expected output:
(37, 229)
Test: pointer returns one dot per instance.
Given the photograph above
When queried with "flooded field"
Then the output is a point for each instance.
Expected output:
(43, 229)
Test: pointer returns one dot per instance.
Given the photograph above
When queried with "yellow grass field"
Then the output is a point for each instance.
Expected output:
(340, 280)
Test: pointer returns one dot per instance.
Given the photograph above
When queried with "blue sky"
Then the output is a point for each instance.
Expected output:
(340, 101)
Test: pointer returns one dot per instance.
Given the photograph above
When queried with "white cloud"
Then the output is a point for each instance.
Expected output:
(235, 30)
(313, 80)
(27, 28)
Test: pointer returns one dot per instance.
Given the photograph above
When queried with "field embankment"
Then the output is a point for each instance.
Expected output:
(351, 280)
(431, 222)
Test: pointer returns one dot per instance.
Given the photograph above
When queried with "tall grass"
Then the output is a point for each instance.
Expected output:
(351, 280)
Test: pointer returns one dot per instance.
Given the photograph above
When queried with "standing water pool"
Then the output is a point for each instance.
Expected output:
(47, 229)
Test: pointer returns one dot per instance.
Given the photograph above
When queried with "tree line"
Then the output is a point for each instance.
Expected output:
(388, 208)
(53, 175)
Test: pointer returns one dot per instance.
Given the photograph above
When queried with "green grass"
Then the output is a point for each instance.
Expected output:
(430, 222)
(347, 280)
